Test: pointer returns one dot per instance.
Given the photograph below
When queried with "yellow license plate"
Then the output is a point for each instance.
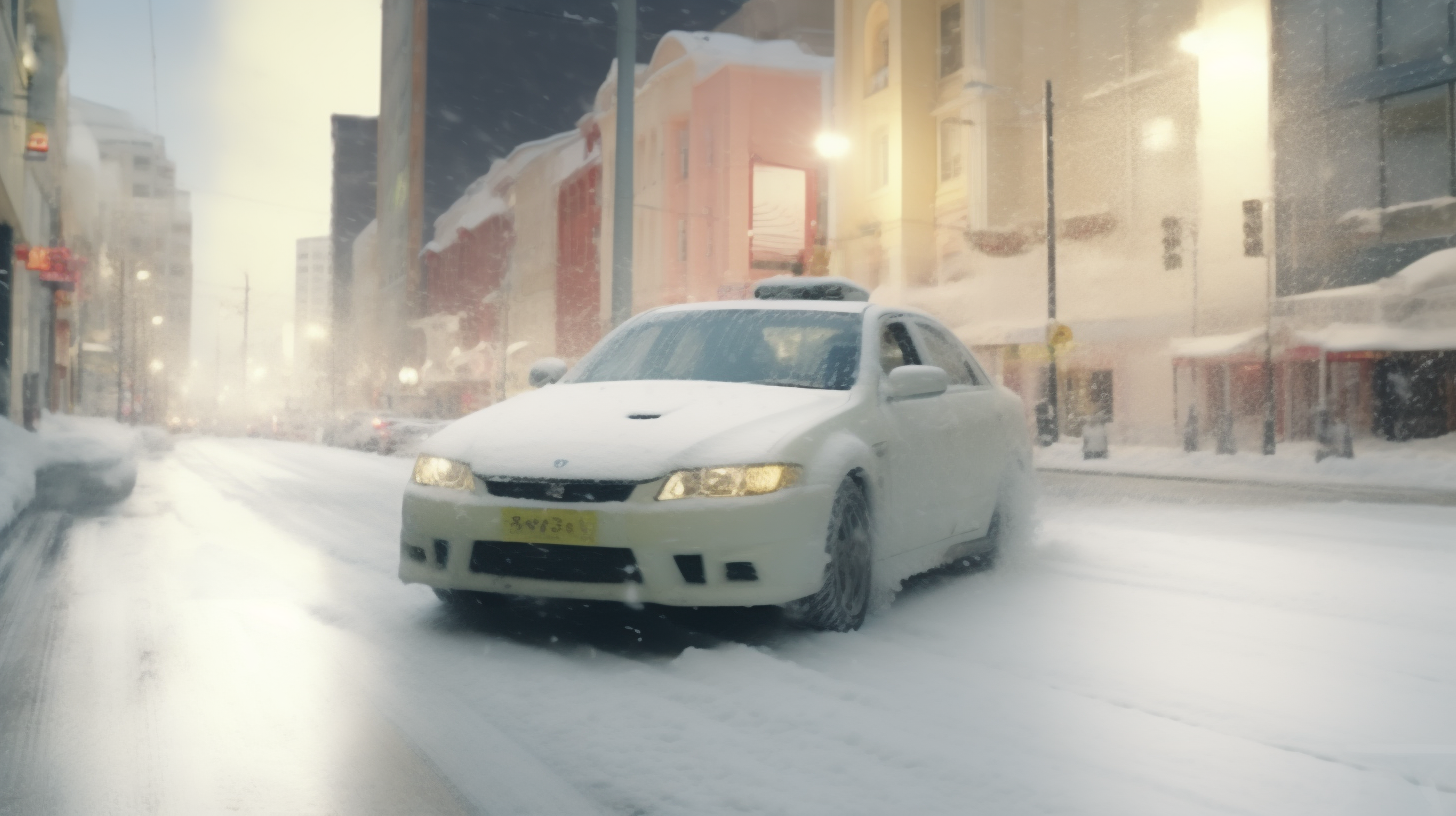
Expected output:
(534, 526)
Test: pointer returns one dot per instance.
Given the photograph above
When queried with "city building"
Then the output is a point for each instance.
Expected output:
(37, 294)
(312, 319)
(1160, 124)
(134, 228)
(461, 85)
(726, 174)
(353, 200)
(1366, 218)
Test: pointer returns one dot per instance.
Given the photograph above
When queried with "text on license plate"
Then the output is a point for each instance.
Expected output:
(535, 526)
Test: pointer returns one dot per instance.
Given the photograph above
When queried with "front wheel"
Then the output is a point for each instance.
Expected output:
(842, 602)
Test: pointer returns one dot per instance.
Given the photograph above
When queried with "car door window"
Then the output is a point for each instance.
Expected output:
(942, 350)
(896, 347)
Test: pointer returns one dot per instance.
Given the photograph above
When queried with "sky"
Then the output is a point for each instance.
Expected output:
(244, 91)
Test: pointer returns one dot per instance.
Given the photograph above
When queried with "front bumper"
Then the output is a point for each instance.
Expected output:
(782, 535)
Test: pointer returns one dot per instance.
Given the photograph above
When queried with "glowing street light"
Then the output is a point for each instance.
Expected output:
(409, 376)
(143, 274)
(832, 145)
(157, 320)
(156, 366)
(315, 332)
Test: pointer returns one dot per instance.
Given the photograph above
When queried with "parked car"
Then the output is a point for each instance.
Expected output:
(805, 448)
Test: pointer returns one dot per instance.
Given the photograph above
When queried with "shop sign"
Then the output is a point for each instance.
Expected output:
(37, 139)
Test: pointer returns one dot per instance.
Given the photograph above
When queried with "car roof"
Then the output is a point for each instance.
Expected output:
(847, 306)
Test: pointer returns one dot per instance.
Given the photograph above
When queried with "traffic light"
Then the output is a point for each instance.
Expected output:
(1172, 243)
(1254, 228)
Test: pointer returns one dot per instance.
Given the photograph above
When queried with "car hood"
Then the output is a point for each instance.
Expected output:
(586, 430)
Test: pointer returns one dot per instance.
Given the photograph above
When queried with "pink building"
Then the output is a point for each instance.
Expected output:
(726, 171)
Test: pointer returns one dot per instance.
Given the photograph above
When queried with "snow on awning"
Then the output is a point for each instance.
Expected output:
(1376, 337)
(1218, 345)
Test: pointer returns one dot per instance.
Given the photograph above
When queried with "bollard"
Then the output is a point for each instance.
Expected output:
(1094, 438)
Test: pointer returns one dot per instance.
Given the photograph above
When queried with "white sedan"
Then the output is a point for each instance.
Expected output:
(805, 448)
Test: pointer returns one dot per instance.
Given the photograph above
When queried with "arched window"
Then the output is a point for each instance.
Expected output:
(877, 48)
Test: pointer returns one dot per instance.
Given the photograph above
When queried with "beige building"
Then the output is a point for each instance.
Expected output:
(1161, 134)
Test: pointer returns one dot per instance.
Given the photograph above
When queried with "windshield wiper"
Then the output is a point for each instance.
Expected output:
(787, 384)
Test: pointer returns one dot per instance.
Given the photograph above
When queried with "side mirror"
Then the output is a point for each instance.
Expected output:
(909, 381)
(546, 371)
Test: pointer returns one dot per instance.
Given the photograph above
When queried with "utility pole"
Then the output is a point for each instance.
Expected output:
(1269, 424)
(120, 335)
(1051, 228)
(623, 178)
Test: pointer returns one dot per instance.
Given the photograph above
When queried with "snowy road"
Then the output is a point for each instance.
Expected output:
(233, 638)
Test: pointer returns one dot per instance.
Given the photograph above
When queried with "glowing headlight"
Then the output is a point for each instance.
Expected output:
(718, 482)
(437, 472)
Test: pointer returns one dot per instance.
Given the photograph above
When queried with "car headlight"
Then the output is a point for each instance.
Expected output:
(720, 482)
(437, 472)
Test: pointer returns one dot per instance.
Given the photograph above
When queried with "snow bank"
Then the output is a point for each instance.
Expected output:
(1424, 463)
(19, 458)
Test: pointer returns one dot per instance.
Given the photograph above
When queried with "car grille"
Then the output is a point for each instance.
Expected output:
(560, 491)
(556, 562)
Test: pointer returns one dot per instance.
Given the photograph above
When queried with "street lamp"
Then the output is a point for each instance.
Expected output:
(143, 274)
(832, 145)
(409, 376)
(157, 320)
(156, 366)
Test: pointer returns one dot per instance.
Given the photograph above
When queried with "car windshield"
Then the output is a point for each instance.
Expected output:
(799, 349)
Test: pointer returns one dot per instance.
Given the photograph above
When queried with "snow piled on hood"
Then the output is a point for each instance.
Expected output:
(585, 430)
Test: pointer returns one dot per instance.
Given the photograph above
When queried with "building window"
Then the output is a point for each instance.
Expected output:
(1415, 130)
(682, 153)
(708, 233)
(682, 239)
(877, 48)
(708, 145)
(950, 149)
(1411, 29)
(951, 44)
(880, 159)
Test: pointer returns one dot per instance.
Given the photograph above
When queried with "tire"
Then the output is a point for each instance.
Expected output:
(842, 602)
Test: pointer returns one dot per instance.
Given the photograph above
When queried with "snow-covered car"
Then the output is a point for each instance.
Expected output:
(805, 448)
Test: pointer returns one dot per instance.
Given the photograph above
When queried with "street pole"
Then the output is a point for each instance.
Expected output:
(120, 334)
(1051, 228)
(623, 179)
(1269, 338)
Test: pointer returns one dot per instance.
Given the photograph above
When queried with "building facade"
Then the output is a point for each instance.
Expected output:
(312, 319)
(1366, 217)
(134, 227)
(1160, 124)
(352, 208)
(37, 310)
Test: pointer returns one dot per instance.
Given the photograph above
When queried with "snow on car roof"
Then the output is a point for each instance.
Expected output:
(851, 306)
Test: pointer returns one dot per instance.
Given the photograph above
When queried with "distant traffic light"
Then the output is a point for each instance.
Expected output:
(1172, 243)
(1254, 228)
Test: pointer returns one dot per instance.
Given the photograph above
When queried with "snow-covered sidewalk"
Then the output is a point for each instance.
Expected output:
(106, 448)
(1428, 464)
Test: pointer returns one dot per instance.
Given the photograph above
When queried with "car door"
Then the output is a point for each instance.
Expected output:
(976, 440)
(920, 467)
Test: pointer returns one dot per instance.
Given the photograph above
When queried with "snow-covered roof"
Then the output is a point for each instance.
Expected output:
(1377, 337)
(712, 50)
(484, 199)
(1217, 345)
(1435, 271)
(709, 51)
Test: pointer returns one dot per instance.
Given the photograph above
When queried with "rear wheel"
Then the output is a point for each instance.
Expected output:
(841, 603)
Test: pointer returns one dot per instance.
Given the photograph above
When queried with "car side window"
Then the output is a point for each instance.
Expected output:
(896, 347)
(944, 351)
